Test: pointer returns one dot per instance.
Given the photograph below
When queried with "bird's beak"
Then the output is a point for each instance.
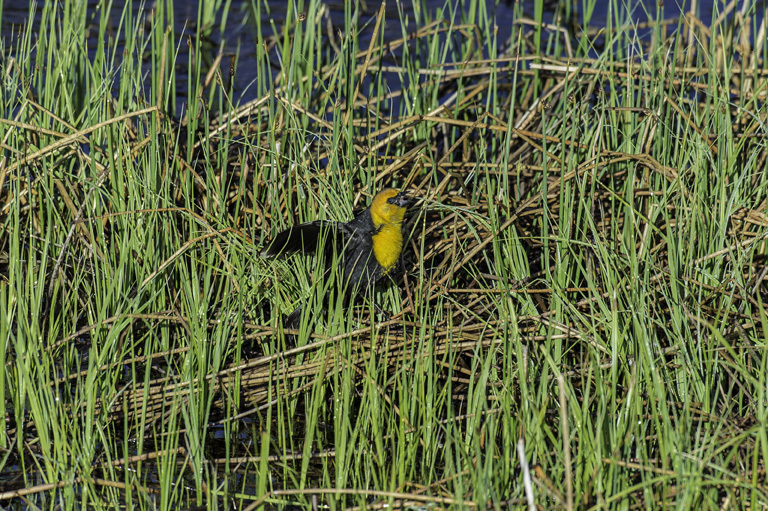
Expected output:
(402, 200)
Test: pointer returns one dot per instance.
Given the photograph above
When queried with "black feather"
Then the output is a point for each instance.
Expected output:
(300, 238)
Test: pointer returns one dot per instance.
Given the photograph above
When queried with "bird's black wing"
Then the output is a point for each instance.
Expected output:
(304, 238)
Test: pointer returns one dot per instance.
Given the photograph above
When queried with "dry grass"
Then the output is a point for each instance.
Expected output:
(583, 218)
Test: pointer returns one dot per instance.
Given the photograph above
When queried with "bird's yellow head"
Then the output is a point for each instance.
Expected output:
(387, 213)
(388, 207)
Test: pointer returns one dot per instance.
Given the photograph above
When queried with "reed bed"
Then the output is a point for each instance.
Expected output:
(578, 322)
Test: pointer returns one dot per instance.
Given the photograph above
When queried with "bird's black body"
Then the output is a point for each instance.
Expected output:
(364, 247)
(354, 238)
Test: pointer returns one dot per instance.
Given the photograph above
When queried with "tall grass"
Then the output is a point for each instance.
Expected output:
(583, 281)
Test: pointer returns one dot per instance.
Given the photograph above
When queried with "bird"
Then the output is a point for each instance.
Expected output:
(367, 247)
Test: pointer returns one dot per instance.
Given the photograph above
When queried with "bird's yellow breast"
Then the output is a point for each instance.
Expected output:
(387, 245)
(387, 213)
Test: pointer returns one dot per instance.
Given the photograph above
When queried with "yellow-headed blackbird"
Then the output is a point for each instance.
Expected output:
(368, 246)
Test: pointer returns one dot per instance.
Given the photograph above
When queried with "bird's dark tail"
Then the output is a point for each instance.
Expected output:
(293, 319)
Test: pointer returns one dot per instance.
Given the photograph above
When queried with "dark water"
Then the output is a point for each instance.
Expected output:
(241, 24)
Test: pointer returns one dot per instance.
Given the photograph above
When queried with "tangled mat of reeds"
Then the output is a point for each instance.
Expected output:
(588, 250)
